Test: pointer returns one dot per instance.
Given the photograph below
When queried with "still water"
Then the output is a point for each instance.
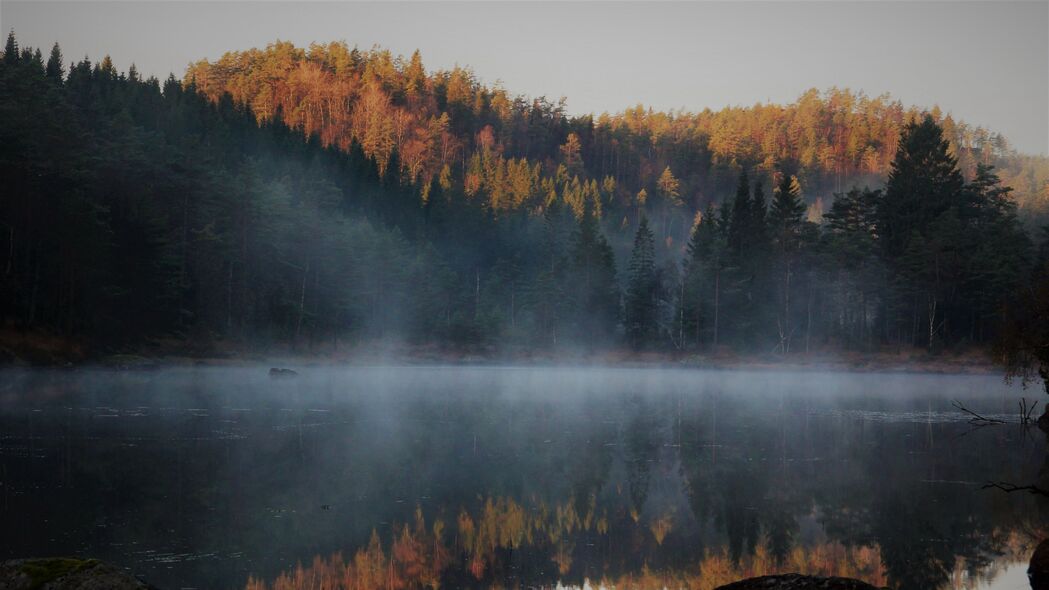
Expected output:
(517, 477)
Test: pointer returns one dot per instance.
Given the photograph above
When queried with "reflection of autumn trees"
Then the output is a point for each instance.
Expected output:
(415, 558)
(420, 556)
(689, 492)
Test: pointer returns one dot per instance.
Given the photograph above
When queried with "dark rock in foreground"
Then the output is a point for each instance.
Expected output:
(797, 582)
(64, 573)
(1038, 570)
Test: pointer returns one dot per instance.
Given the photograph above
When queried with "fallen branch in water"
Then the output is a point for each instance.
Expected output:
(1025, 412)
(976, 417)
(1010, 488)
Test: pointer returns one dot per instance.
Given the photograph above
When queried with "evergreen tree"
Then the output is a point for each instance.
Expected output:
(642, 288)
(1022, 347)
(924, 182)
(415, 77)
(748, 251)
(55, 66)
(786, 219)
(594, 273)
(787, 213)
(700, 301)
(740, 218)
(670, 190)
(184, 212)
(850, 252)
(11, 49)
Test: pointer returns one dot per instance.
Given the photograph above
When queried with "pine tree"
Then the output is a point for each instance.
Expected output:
(670, 191)
(758, 224)
(924, 183)
(786, 213)
(785, 220)
(55, 67)
(700, 301)
(11, 49)
(1022, 346)
(740, 216)
(850, 251)
(642, 288)
(594, 275)
(415, 74)
(107, 68)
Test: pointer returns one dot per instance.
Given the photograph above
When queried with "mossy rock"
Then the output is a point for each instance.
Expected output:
(65, 573)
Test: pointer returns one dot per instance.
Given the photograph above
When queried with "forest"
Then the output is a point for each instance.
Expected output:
(311, 199)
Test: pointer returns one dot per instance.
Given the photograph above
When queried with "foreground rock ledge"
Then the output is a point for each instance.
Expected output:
(797, 582)
(65, 573)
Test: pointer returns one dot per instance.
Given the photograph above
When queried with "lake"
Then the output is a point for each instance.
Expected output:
(398, 477)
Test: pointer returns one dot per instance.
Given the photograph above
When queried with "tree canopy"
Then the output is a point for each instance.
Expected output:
(326, 196)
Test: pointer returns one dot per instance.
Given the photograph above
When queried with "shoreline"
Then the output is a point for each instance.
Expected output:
(36, 351)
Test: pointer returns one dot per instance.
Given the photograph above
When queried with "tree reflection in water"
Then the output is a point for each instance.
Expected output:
(401, 478)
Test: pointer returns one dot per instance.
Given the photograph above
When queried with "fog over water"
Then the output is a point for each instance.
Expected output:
(481, 476)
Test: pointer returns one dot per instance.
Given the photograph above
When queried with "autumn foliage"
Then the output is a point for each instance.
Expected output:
(449, 121)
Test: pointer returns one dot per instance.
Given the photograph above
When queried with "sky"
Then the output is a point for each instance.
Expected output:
(986, 63)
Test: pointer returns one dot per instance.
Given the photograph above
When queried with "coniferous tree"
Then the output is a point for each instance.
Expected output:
(740, 217)
(786, 219)
(642, 288)
(700, 302)
(850, 256)
(182, 211)
(669, 189)
(748, 250)
(55, 67)
(595, 291)
(924, 182)
(11, 49)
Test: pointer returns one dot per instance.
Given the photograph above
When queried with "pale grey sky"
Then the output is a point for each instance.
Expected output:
(984, 62)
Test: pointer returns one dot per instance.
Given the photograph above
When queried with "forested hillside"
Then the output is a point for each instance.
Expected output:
(323, 197)
(504, 146)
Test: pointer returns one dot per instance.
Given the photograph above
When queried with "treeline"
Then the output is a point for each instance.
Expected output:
(137, 210)
(498, 143)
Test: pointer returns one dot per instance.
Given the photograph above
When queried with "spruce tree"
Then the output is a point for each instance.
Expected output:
(11, 49)
(700, 300)
(596, 295)
(670, 190)
(758, 213)
(785, 222)
(786, 213)
(642, 288)
(55, 67)
(740, 216)
(924, 182)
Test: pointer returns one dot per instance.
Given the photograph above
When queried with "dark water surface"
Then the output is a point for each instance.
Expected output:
(204, 478)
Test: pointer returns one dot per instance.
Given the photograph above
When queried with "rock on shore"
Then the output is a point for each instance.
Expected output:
(64, 573)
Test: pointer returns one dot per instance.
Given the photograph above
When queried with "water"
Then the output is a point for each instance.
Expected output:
(396, 477)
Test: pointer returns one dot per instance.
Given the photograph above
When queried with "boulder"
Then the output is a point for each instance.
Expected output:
(65, 573)
(1043, 421)
(1038, 570)
(797, 582)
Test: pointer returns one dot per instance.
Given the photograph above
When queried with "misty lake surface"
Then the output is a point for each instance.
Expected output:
(397, 477)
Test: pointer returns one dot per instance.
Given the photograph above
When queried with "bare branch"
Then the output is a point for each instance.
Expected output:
(1010, 488)
(976, 417)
